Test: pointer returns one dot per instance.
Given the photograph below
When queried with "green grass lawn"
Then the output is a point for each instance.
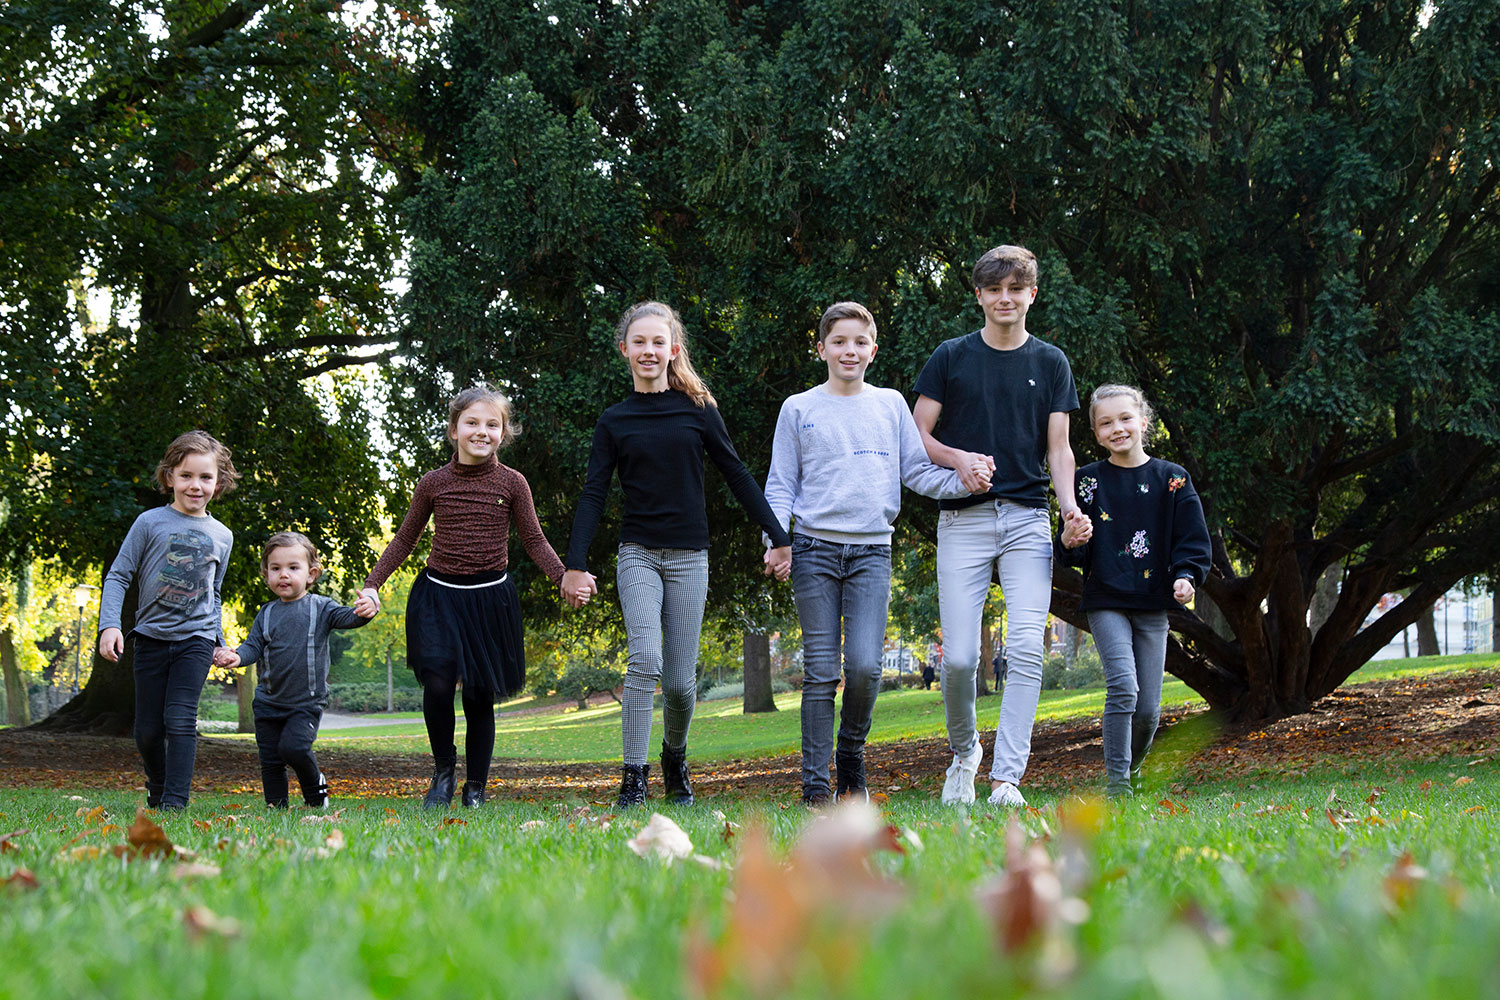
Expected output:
(1272, 889)
(722, 731)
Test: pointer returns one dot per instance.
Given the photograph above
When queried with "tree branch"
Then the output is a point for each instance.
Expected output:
(346, 361)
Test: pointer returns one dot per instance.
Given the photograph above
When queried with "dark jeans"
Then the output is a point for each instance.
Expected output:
(169, 676)
(843, 594)
(284, 737)
(479, 715)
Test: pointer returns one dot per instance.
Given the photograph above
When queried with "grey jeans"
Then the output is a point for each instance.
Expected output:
(661, 597)
(972, 542)
(843, 596)
(1133, 649)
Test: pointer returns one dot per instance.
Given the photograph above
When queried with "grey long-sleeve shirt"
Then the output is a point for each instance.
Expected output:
(838, 463)
(290, 641)
(178, 561)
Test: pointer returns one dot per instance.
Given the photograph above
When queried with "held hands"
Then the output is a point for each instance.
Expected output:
(368, 603)
(577, 587)
(975, 471)
(1077, 528)
(1183, 590)
(226, 657)
(779, 562)
(111, 644)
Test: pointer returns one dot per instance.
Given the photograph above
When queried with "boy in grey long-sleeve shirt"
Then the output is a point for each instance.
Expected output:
(289, 639)
(842, 451)
(179, 562)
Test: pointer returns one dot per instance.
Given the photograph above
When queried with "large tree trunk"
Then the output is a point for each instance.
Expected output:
(106, 705)
(1324, 597)
(1427, 638)
(17, 706)
(244, 691)
(986, 658)
(758, 695)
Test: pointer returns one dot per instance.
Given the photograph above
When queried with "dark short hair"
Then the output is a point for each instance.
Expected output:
(289, 540)
(845, 310)
(997, 264)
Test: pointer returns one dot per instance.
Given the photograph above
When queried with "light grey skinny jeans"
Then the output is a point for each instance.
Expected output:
(971, 542)
(661, 598)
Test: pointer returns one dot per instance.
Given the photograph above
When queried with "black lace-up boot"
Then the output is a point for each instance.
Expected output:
(850, 766)
(678, 790)
(632, 786)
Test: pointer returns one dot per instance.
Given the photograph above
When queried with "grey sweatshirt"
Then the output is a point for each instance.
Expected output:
(290, 641)
(179, 563)
(838, 462)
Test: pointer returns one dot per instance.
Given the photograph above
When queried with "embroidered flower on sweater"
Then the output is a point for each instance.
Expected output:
(1086, 487)
(1139, 547)
(1104, 515)
(1176, 483)
(1145, 574)
(1145, 487)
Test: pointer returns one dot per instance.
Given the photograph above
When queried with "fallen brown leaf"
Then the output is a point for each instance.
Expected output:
(662, 839)
(1401, 884)
(21, 880)
(195, 869)
(201, 922)
(146, 837)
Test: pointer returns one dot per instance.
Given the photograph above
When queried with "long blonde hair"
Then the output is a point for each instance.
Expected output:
(680, 372)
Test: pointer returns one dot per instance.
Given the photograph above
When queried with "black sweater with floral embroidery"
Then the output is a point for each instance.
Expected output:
(1149, 532)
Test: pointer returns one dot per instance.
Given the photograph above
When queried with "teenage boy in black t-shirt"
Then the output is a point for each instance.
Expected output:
(997, 399)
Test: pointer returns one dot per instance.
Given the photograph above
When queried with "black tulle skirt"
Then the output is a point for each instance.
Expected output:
(466, 628)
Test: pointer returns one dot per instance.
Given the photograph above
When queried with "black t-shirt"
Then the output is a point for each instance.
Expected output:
(656, 442)
(998, 403)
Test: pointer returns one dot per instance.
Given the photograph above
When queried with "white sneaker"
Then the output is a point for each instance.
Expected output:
(958, 788)
(1006, 794)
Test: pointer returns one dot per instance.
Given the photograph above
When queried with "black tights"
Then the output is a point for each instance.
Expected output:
(479, 713)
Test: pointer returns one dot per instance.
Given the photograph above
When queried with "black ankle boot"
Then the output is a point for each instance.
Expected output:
(632, 786)
(473, 794)
(850, 767)
(677, 789)
(440, 792)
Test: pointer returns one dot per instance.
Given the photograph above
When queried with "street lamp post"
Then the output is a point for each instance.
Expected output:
(81, 600)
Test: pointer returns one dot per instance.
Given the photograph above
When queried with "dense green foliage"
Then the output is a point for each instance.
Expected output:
(194, 223)
(1279, 221)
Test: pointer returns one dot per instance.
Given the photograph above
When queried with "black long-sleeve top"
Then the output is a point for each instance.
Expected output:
(1149, 532)
(656, 441)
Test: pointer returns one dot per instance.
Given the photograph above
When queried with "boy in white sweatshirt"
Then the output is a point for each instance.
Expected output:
(841, 453)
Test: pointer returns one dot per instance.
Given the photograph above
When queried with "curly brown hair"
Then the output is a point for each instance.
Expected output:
(197, 443)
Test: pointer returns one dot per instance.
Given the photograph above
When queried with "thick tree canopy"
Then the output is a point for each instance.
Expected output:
(193, 222)
(1280, 221)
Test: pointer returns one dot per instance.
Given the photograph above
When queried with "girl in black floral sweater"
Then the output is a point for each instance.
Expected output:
(1143, 549)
